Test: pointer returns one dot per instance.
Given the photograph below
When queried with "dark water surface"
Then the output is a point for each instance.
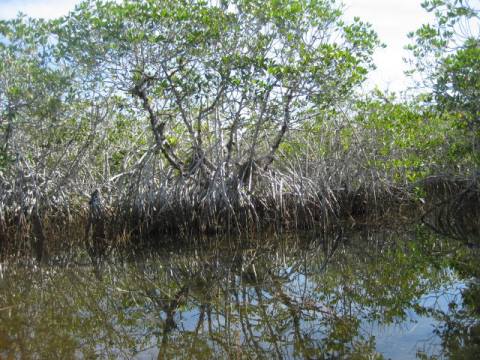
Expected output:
(355, 295)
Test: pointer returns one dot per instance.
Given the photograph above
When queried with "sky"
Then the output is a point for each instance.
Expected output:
(391, 19)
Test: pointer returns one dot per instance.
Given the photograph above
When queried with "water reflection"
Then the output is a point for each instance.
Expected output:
(309, 297)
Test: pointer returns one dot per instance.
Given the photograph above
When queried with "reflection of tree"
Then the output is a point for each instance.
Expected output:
(459, 326)
(302, 298)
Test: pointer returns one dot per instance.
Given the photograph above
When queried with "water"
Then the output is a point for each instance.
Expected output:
(402, 294)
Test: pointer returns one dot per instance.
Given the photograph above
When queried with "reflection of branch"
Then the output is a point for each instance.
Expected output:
(170, 308)
(266, 320)
(336, 242)
(245, 324)
(295, 313)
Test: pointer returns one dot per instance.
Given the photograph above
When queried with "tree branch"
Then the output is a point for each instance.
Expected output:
(158, 127)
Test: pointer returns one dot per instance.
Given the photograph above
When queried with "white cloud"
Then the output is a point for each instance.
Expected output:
(392, 20)
(47, 9)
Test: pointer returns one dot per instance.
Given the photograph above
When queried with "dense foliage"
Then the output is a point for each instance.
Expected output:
(447, 54)
(205, 115)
